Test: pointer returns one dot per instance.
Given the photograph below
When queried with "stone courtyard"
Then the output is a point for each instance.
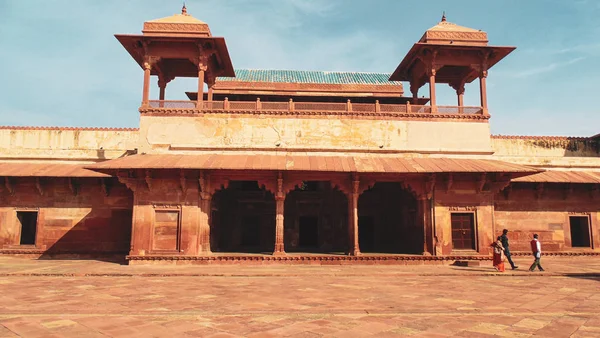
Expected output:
(87, 298)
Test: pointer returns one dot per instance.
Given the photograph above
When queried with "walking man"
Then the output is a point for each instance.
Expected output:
(506, 250)
(536, 249)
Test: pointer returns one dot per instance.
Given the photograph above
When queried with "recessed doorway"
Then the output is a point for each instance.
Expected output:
(580, 231)
(463, 231)
(28, 222)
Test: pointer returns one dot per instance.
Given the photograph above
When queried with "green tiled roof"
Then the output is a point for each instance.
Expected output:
(309, 76)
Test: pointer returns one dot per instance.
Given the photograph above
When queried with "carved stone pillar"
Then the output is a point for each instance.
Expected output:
(279, 212)
(205, 211)
(353, 249)
(202, 67)
(424, 215)
(483, 91)
(204, 225)
(162, 85)
(431, 72)
(210, 81)
(460, 93)
(146, 90)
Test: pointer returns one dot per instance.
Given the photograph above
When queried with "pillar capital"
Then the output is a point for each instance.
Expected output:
(150, 61)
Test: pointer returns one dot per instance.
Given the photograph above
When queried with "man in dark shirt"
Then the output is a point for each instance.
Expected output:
(506, 250)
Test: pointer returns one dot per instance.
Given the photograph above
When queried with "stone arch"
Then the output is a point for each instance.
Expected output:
(243, 218)
(316, 218)
(388, 220)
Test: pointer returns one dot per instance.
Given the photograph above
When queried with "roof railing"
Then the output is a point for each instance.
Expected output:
(291, 106)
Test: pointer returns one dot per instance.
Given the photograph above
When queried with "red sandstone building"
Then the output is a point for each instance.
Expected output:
(297, 165)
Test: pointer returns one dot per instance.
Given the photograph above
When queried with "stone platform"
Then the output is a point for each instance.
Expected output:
(91, 298)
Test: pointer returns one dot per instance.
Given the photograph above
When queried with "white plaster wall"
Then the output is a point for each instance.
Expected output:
(222, 132)
(67, 144)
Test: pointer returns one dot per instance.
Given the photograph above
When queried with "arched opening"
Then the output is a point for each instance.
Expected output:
(387, 220)
(316, 219)
(243, 219)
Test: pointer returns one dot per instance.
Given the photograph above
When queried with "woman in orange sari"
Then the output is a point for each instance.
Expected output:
(498, 255)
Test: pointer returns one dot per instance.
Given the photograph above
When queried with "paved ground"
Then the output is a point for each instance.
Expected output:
(99, 299)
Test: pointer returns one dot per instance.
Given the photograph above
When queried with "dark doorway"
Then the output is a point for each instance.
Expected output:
(316, 219)
(387, 220)
(309, 231)
(463, 231)
(251, 231)
(242, 219)
(28, 220)
(366, 233)
(580, 231)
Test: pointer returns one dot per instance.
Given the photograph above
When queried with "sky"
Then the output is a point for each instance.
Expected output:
(60, 64)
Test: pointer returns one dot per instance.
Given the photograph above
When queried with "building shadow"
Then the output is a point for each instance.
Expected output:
(101, 235)
(595, 276)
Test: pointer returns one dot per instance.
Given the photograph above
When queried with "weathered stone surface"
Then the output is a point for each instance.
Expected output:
(83, 223)
(222, 132)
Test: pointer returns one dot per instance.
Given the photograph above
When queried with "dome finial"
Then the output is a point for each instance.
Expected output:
(444, 16)
(184, 9)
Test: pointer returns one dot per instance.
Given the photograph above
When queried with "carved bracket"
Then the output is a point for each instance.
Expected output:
(182, 181)
(209, 185)
(9, 185)
(430, 186)
(150, 61)
(449, 182)
(481, 182)
(290, 184)
(129, 179)
(497, 186)
(73, 185)
(38, 185)
(269, 185)
(458, 86)
(507, 190)
(148, 179)
(104, 185)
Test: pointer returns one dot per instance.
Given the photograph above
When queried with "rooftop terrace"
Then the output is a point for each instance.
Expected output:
(306, 76)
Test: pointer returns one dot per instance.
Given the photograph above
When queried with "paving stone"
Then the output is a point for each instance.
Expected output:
(294, 301)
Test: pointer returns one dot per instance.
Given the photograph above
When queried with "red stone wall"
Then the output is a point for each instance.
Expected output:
(82, 223)
(165, 217)
(462, 197)
(525, 210)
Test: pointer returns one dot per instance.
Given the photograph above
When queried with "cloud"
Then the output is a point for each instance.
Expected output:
(545, 69)
(584, 48)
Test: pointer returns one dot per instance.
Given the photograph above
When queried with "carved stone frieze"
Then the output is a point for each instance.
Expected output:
(463, 36)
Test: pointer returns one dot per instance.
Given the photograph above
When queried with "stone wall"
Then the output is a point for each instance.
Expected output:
(88, 222)
(65, 143)
(463, 198)
(166, 218)
(550, 152)
(525, 211)
(329, 133)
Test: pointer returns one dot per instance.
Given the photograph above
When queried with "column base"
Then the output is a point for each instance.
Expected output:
(206, 252)
(355, 252)
(279, 253)
(426, 253)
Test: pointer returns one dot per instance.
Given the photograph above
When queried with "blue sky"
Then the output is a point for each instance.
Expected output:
(62, 66)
